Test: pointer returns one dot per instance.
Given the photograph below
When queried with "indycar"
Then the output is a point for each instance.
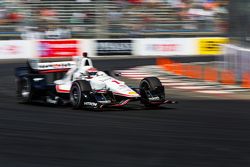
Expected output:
(80, 84)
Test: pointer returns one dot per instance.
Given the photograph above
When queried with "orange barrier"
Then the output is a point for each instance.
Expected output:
(227, 77)
(160, 61)
(200, 72)
(187, 70)
(193, 71)
(246, 80)
(210, 74)
(168, 67)
(177, 68)
(164, 63)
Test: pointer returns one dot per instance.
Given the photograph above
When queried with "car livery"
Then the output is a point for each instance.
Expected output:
(80, 84)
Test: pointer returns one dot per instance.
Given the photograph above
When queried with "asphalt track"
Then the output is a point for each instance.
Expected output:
(199, 132)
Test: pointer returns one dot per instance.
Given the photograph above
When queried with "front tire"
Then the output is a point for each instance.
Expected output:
(78, 91)
(151, 87)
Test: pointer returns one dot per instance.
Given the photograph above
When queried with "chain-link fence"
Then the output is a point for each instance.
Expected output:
(239, 20)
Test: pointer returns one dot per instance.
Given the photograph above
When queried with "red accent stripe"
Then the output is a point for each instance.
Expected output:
(52, 71)
(61, 90)
(121, 104)
(101, 91)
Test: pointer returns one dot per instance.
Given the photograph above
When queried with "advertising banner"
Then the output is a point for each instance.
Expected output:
(165, 46)
(113, 47)
(58, 48)
(211, 46)
(16, 49)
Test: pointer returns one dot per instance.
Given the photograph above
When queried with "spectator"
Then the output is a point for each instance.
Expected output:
(222, 17)
(48, 15)
(122, 3)
(30, 33)
(78, 18)
(58, 33)
(173, 3)
(15, 17)
(3, 15)
(114, 20)
(136, 2)
(147, 21)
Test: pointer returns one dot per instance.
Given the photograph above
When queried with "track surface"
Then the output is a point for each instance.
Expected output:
(198, 132)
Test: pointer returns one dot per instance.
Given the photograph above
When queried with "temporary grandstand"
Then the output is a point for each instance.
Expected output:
(98, 19)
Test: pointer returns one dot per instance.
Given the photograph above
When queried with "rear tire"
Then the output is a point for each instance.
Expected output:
(24, 90)
(151, 85)
(78, 90)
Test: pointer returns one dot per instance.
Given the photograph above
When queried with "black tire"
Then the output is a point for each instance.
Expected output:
(77, 92)
(153, 85)
(25, 90)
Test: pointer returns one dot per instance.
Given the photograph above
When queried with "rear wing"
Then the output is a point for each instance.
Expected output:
(50, 66)
(58, 64)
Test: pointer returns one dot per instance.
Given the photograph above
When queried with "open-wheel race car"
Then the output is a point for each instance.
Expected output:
(80, 84)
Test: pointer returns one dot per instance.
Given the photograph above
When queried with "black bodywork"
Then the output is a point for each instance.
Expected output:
(40, 85)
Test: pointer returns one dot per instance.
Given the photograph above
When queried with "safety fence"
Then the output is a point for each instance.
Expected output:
(219, 72)
(14, 49)
(237, 60)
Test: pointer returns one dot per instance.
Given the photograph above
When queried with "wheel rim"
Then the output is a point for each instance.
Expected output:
(145, 86)
(74, 96)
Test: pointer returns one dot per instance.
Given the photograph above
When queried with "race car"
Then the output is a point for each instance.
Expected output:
(80, 84)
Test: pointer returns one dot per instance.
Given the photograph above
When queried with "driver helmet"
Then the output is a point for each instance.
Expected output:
(91, 72)
(101, 73)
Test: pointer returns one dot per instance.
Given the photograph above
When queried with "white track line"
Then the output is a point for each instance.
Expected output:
(135, 76)
(169, 81)
(231, 87)
(214, 92)
(187, 84)
(235, 90)
(138, 73)
(129, 71)
(193, 87)
(165, 78)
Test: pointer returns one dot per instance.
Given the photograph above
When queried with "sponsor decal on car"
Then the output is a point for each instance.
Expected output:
(132, 93)
(154, 98)
(38, 79)
(55, 65)
(93, 104)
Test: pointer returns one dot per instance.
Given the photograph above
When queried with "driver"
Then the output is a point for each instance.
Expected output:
(91, 72)
(84, 67)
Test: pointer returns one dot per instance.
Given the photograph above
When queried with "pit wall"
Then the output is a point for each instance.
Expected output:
(18, 49)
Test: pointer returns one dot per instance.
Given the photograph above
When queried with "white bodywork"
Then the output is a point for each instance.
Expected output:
(100, 82)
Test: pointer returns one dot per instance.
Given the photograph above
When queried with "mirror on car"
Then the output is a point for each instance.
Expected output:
(117, 74)
(107, 72)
